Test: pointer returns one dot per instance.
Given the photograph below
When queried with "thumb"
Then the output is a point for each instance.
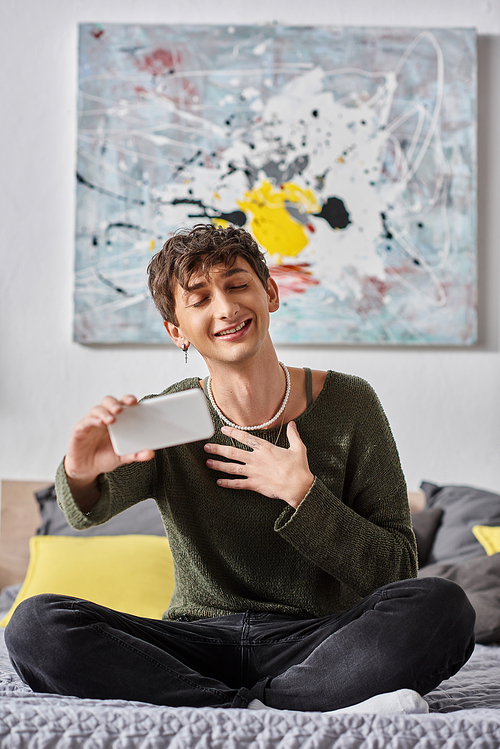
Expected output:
(293, 436)
(143, 456)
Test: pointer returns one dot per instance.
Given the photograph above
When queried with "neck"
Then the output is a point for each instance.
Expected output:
(249, 393)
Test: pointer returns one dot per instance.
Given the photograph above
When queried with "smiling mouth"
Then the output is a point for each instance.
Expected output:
(236, 329)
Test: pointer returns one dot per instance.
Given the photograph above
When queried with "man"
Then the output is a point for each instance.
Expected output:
(290, 530)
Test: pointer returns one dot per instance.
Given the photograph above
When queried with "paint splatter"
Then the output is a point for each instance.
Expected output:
(272, 224)
(293, 279)
(335, 213)
(158, 62)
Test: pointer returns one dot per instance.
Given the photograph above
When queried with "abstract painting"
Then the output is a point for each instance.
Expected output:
(348, 153)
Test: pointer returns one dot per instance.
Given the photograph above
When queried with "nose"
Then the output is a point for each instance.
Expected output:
(225, 307)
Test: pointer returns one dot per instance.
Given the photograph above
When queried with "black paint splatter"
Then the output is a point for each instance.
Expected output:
(186, 163)
(106, 281)
(88, 184)
(238, 218)
(388, 234)
(335, 213)
(135, 227)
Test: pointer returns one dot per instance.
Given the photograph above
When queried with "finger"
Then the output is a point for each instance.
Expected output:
(233, 483)
(141, 457)
(109, 402)
(233, 453)
(128, 400)
(250, 440)
(232, 468)
(114, 406)
(92, 421)
(99, 415)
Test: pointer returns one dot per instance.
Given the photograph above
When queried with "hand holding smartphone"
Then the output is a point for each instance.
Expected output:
(168, 420)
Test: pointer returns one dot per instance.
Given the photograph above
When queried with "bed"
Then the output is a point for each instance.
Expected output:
(464, 711)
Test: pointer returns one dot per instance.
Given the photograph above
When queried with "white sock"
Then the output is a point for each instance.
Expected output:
(258, 705)
(401, 702)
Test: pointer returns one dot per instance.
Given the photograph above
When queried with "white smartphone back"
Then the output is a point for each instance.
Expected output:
(174, 419)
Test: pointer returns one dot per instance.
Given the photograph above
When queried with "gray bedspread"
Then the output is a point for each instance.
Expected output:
(465, 713)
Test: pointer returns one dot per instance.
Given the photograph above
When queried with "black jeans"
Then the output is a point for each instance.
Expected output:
(409, 634)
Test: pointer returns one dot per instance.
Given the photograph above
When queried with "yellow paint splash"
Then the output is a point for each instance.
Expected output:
(151, 245)
(272, 225)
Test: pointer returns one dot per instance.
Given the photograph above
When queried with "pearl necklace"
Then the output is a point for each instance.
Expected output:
(259, 426)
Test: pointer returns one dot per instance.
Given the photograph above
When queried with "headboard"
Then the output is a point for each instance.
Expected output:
(19, 520)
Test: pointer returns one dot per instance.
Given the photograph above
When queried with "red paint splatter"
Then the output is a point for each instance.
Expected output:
(373, 297)
(380, 286)
(293, 279)
(97, 33)
(157, 63)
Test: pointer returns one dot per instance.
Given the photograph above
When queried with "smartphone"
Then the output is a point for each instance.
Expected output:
(174, 419)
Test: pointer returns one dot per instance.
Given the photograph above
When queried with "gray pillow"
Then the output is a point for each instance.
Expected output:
(425, 524)
(143, 518)
(463, 507)
(480, 579)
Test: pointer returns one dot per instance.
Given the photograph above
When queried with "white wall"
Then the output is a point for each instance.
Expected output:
(444, 405)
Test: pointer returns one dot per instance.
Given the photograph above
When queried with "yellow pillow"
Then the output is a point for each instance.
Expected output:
(134, 574)
(489, 537)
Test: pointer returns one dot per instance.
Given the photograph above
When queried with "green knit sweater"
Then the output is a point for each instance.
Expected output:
(236, 550)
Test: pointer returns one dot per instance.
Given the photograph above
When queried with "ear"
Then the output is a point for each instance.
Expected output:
(273, 294)
(175, 334)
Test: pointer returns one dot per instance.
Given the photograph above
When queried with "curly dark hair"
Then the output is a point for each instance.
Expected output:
(198, 250)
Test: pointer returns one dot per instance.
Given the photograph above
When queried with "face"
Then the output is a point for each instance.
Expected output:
(224, 315)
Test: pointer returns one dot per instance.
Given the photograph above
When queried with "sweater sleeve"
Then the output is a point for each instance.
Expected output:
(120, 489)
(362, 535)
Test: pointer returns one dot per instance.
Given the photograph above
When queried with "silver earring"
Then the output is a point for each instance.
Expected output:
(185, 349)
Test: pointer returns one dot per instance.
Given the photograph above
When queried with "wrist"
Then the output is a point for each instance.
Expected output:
(77, 478)
(301, 490)
(85, 491)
